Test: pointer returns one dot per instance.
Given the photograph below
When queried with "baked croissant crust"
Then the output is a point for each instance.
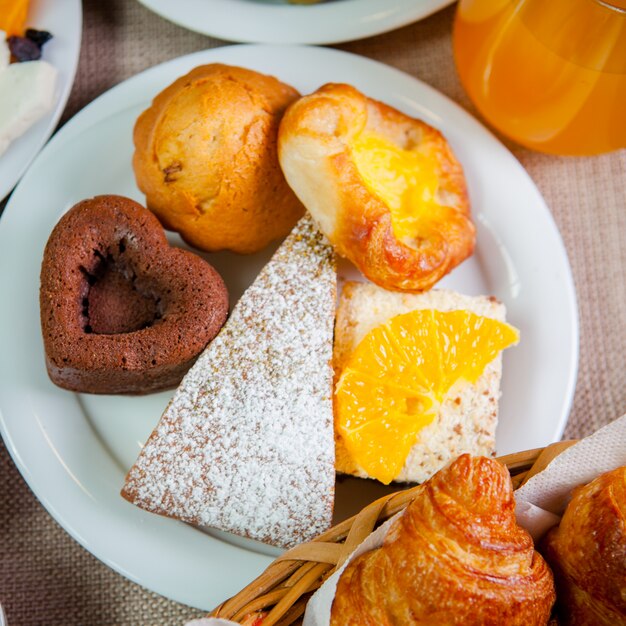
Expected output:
(385, 188)
(456, 556)
(587, 553)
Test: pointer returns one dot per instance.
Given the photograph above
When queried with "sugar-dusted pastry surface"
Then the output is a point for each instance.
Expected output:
(587, 552)
(456, 556)
(385, 188)
(246, 444)
(467, 420)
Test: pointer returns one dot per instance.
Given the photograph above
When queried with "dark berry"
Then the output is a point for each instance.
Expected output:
(24, 49)
(40, 37)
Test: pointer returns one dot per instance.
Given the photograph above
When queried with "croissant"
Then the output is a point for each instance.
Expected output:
(385, 188)
(456, 556)
(587, 553)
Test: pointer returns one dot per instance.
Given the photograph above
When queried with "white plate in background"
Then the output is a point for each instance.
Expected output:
(278, 22)
(63, 18)
(74, 450)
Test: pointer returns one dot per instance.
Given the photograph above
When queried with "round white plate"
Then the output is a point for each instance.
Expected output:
(277, 22)
(63, 18)
(74, 449)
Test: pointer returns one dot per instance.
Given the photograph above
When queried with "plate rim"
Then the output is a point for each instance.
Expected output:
(298, 28)
(91, 115)
(54, 116)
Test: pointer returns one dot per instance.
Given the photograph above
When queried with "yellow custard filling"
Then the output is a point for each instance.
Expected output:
(405, 180)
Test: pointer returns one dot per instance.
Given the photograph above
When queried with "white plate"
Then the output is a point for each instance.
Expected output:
(63, 18)
(74, 450)
(276, 21)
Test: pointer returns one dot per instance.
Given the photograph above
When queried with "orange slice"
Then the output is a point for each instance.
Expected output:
(13, 16)
(399, 374)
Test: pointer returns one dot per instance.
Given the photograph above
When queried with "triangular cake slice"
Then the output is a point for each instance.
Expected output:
(246, 444)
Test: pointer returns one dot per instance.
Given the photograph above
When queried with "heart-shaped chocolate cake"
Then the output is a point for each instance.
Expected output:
(121, 310)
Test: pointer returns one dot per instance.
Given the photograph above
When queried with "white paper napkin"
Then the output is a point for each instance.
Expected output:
(542, 500)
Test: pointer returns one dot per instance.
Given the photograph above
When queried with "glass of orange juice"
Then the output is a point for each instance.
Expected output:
(549, 74)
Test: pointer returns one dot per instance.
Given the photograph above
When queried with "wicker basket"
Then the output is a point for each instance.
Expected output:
(280, 594)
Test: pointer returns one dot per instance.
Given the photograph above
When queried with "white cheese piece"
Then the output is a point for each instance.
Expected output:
(5, 53)
(27, 93)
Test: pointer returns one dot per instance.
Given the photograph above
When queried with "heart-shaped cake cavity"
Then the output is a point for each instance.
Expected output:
(121, 310)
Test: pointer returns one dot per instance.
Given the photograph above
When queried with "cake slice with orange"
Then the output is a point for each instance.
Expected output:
(417, 380)
(246, 444)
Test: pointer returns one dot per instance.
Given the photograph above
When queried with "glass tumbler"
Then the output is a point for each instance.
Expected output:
(549, 74)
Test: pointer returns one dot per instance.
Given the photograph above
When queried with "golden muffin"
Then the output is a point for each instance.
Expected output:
(205, 156)
(385, 188)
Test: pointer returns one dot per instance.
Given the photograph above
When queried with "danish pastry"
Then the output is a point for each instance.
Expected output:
(385, 188)
(455, 556)
(587, 553)
(205, 156)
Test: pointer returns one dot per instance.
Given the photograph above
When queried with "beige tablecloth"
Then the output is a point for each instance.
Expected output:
(45, 577)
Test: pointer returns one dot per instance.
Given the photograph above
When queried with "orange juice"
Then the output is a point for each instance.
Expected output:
(549, 74)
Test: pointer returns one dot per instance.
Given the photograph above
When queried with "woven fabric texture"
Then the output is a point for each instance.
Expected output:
(45, 576)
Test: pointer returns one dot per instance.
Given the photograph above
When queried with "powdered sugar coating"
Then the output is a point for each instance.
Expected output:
(246, 444)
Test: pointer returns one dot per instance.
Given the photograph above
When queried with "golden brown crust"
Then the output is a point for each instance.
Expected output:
(456, 556)
(314, 152)
(205, 156)
(587, 552)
